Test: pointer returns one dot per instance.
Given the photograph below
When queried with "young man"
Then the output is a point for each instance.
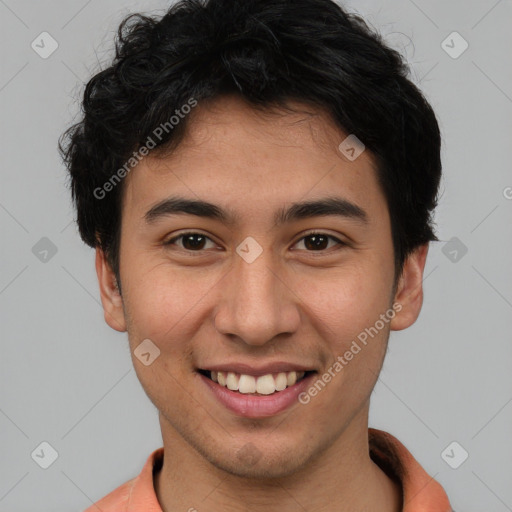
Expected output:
(258, 180)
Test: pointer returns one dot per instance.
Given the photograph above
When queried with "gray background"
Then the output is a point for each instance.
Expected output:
(67, 378)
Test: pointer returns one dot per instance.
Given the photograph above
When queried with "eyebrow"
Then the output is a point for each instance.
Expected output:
(302, 210)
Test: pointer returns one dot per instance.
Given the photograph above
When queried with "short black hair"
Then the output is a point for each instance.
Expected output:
(268, 52)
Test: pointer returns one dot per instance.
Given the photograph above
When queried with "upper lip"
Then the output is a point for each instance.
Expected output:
(257, 370)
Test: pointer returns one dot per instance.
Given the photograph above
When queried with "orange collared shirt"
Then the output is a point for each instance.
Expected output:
(421, 493)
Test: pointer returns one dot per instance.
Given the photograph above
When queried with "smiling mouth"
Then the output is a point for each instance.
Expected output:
(262, 385)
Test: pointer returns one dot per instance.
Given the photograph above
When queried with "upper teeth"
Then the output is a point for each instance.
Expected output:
(265, 384)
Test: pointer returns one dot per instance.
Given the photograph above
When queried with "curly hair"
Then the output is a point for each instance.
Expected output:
(269, 52)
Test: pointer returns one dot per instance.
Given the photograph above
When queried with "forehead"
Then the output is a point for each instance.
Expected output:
(254, 161)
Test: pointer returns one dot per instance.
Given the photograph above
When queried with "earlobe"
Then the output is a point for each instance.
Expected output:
(409, 293)
(110, 296)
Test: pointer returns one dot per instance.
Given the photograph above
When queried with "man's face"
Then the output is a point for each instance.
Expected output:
(212, 300)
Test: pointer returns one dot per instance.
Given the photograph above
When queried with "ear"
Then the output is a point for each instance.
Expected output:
(110, 296)
(409, 292)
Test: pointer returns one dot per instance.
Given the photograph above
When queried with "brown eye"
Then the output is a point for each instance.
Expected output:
(318, 241)
(190, 241)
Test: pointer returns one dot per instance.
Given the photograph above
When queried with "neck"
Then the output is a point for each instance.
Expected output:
(342, 478)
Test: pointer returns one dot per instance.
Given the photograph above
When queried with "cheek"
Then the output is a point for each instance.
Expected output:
(345, 311)
(343, 302)
(165, 304)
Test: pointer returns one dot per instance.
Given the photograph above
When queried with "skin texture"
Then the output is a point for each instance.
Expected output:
(293, 304)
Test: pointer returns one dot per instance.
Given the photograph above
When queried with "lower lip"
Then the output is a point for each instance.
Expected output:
(253, 406)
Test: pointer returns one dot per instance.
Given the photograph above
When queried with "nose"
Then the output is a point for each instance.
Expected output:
(258, 302)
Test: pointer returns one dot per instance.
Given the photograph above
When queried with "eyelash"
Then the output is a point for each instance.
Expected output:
(312, 233)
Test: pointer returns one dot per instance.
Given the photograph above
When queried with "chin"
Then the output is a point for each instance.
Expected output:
(250, 462)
